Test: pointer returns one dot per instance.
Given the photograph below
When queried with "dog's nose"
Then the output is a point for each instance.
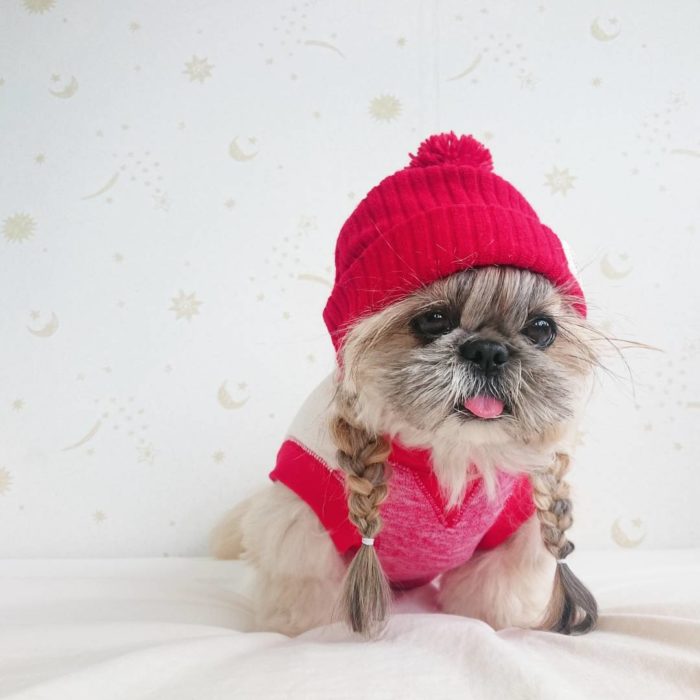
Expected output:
(489, 355)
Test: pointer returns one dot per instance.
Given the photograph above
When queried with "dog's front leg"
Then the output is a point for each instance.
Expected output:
(509, 586)
(298, 571)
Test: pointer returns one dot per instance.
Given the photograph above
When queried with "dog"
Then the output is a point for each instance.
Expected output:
(438, 448)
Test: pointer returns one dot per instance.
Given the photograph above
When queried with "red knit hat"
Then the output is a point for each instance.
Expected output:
(444, 212)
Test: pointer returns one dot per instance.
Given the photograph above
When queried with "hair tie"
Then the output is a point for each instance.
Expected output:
(369, 541)
(560, 561)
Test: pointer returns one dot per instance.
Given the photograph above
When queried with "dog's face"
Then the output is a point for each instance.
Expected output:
(489, 356)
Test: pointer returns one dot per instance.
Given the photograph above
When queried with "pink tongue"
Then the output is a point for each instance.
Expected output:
(484, 406)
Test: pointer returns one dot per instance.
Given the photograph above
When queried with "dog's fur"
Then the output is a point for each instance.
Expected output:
(398, 383)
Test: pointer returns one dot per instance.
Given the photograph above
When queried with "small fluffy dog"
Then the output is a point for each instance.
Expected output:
(438, 448)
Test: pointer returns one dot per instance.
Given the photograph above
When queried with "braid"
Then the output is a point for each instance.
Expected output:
(362, 457)
(573, 609)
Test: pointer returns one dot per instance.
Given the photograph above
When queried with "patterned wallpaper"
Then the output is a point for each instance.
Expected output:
(173, 176)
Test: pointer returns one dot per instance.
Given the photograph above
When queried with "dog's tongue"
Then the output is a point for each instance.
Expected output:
(484, 406)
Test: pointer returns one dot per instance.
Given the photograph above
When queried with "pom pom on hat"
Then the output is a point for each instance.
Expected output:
(450, 149)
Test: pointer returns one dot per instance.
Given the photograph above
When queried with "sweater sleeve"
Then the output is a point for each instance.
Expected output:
(518, 508)
(305, 473)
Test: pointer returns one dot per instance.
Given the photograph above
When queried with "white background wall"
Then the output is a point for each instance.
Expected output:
(129, 179)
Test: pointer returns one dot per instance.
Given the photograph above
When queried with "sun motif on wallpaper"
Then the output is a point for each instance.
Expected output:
(385, 108)
(18, 228)
(559, 180)
(185, 305)
(198, 69)
(38, 7)
(5, 480)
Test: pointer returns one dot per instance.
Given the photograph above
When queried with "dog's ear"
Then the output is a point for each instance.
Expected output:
(572, 608)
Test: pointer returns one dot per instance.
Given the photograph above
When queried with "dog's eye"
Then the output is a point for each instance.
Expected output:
(432, 324)
(541, 331)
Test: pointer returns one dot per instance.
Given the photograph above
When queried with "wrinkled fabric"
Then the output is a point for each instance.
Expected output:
(174, 629)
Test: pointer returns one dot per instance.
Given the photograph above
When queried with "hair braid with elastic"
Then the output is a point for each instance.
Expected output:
(573, 609)
(362, 456)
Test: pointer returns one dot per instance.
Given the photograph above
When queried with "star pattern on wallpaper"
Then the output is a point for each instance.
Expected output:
(385, 108)
(185, 305)
(559, 180)
(134, 167)
(293, 33)
(498, 52)
(146, 453)
(220, 202)
(18, 228)
(161, 201)
(527, 81)
(198, 69)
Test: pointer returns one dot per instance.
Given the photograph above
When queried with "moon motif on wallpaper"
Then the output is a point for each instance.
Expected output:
(88, 436)
(685, 152)
(314, 278)
(227, 401)
(48, 330)
(68, 91)
(110, 183)
(234, 150)
(628, 533)
(324, 45)
(468, 69)
(612, 272)
(600, 34)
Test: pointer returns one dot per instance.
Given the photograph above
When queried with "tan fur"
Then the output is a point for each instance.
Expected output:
(379, 391)
(510, 586)
(226, 540)
(298, 570)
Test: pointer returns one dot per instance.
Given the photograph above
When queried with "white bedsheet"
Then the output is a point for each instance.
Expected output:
(175, 628)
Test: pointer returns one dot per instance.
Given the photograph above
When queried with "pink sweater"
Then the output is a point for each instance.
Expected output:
(420, 538)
